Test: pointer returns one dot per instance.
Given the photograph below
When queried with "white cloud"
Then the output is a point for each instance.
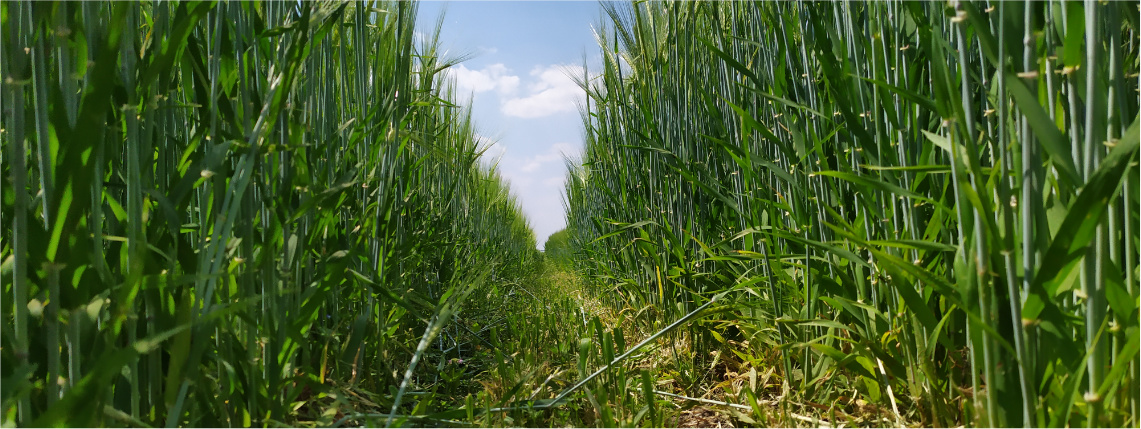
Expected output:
(552, 92)
(538, 181)
(554, 153)
(537, 175)
(493, 77)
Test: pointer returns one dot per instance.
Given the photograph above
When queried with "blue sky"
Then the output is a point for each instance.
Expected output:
(523, 103)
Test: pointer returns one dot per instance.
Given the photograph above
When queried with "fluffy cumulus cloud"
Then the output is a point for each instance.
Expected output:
(495, 77)
(536, 175)
(552, 91)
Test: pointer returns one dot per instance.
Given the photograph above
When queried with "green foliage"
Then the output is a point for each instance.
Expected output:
(231, 214)
(255, 214)
(926, 205)
(557, 249)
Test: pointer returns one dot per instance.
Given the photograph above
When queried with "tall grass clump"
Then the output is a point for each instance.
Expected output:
(930, 207)
(236, 214)
(557, 248)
